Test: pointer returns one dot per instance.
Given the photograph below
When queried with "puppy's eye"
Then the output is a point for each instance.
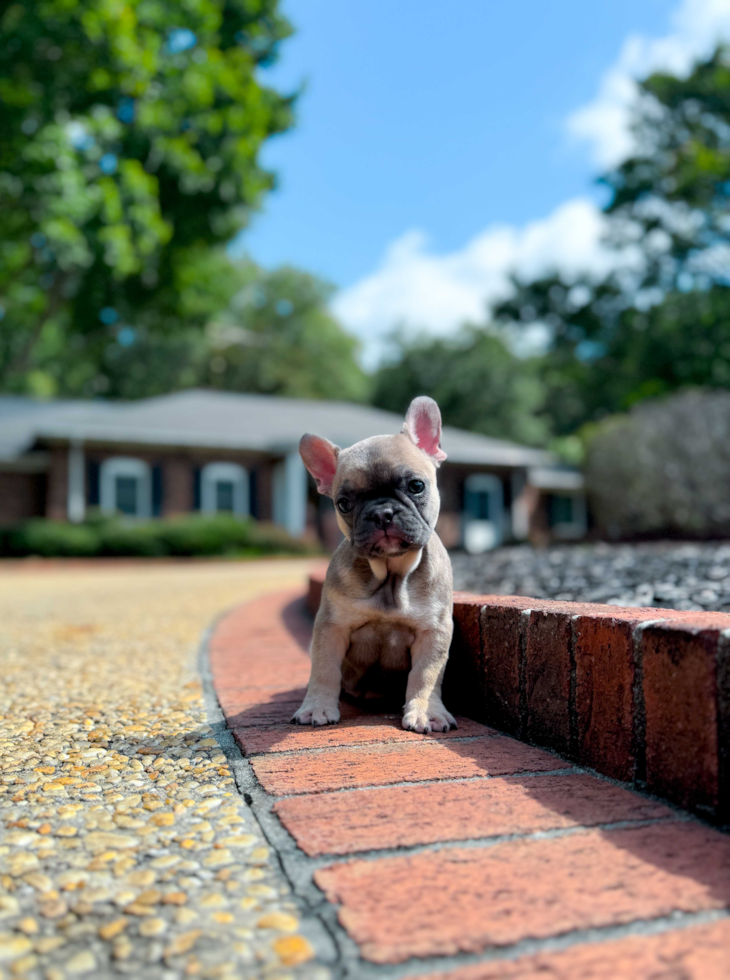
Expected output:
(416, 486)
(344, 505)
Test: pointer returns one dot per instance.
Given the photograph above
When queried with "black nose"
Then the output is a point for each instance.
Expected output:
(382, 518)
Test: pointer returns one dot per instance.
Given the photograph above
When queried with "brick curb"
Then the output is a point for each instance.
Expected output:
(640, 695)
(474, 855)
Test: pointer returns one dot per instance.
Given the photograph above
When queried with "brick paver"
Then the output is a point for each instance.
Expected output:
(695, 953)
(397, 816)
(554, 853)
(377, 765)
(466, 900)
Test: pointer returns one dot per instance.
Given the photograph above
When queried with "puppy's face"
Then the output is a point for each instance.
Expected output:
(384, 488)
(385, 496)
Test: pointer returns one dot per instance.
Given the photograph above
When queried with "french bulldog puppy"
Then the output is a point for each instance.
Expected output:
(386, 611)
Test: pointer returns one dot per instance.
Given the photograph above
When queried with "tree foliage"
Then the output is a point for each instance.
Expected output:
(129, 141)
(672, 196)
(605, 355)
(275, 335)
(662, 322)
(477, 381)
(278, 337)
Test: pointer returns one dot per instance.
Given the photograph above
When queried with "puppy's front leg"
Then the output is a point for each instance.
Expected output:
(321, 706)
(424, 710)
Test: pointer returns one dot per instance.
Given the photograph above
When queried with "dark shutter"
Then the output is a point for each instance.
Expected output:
(92, 481)
(157, 490)
(196, 488)
(253, 493)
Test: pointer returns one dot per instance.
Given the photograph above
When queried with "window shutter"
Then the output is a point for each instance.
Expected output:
(253, 496)
(156, 490)
(92, 480)
(197, 476)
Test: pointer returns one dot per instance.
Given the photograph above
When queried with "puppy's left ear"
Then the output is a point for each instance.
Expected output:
(320, 458)
(423, 425)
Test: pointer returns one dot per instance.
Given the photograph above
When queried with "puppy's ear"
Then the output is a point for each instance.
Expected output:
(320, 458)
(423, 425)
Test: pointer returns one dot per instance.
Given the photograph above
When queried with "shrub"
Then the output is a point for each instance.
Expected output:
(199, 535)
(132, 539)
(52, 539)
(664, 468)
(188, 536)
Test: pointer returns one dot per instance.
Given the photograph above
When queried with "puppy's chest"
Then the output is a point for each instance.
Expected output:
(397, 598)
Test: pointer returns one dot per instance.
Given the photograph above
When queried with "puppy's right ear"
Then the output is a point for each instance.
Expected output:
(320, 458)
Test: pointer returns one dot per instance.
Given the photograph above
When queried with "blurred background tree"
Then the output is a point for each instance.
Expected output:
(662, 322)
(129, 149)
(477, 381)
(277, 337)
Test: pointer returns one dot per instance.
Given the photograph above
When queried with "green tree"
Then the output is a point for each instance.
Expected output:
(663, 324)
(672, 196)
(129, 141)
(605, 355)
(477, 381)
(278, 337)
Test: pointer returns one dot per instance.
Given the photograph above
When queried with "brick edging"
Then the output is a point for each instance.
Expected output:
(641, 695)
(466, 855)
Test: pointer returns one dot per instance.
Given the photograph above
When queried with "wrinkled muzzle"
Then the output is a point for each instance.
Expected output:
(387, 527)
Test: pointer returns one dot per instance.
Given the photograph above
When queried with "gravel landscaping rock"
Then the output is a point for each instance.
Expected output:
(665, 574)
(126, 849)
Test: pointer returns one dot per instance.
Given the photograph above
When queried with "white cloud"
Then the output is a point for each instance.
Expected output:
(437, 292)
(696, 27)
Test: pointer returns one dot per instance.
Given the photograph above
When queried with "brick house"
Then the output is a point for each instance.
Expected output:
(210, 451)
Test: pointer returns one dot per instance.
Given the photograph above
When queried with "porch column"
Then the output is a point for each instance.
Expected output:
(290, 493)
(520, 506)
(76, 499)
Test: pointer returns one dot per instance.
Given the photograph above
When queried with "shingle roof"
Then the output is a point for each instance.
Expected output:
(225, 420)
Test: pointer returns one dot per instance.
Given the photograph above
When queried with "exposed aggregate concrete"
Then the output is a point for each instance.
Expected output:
(125, 848)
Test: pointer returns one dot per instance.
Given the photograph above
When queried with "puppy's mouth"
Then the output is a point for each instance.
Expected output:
(389, 542)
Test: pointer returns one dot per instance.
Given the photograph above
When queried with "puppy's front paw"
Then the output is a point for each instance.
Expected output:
(314, 713)
(435, 718)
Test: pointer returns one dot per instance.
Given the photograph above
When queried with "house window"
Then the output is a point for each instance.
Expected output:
(567, 515)
(125, 486)
(561, 509)
(224, 489)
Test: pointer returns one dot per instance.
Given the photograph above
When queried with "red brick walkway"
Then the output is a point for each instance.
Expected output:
(468, 855)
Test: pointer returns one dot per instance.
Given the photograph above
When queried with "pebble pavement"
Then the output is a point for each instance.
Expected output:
(663, 574)
(125, 848)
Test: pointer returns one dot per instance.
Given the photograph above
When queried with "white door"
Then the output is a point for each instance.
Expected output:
(483, 513)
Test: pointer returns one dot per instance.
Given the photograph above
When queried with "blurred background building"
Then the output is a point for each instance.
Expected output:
(525, 211)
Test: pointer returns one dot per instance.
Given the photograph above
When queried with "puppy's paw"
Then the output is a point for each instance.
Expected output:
(316, 714)
(433, 719)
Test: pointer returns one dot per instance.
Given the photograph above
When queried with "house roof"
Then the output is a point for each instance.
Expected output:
(225, 420)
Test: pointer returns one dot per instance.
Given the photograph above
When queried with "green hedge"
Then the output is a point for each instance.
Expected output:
(180, 536)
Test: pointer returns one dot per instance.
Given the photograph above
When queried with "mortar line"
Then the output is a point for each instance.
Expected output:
(522, 630)
(568, 771)
(324, 940)
(477, 843)
(639, 727)
(428, 739)
(573, 735)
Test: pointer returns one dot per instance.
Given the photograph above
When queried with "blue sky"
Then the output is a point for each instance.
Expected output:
(425, 126)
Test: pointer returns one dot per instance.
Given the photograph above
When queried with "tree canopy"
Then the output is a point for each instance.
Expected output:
(278, 337)
(477, 381)
(130, 133)
(662, 323)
